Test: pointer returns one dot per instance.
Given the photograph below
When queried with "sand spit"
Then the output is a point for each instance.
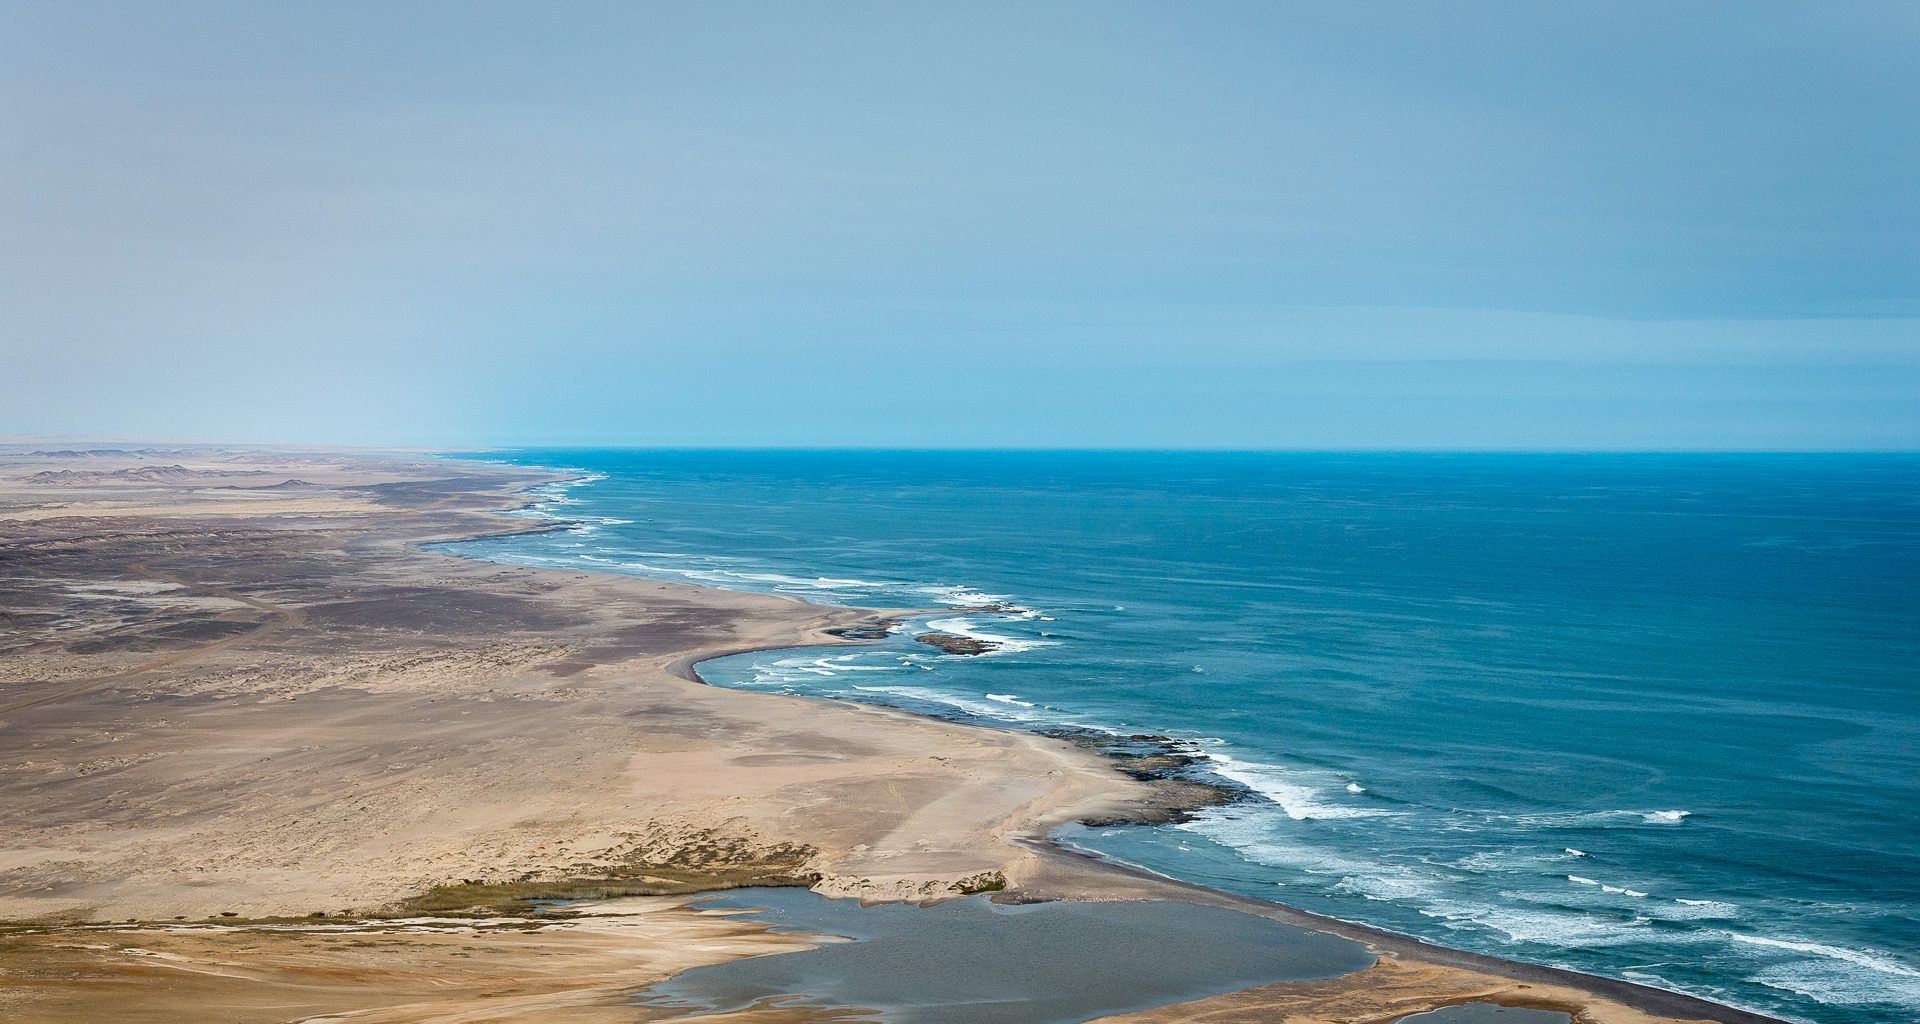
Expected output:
(268, 709)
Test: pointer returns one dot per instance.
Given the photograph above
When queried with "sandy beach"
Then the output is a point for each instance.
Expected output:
(265, 758)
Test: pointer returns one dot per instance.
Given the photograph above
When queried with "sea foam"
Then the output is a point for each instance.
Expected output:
(1295, 795)
(960, 626)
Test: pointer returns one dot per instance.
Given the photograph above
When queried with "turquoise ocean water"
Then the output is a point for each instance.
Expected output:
(1649, 716)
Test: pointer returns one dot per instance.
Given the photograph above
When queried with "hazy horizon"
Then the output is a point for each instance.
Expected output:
(1218, 226)
(70, 440)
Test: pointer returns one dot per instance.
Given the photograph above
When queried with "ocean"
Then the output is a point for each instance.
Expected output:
(1655, 717)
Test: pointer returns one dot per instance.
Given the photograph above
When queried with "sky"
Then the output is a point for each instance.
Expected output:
(1102, 224)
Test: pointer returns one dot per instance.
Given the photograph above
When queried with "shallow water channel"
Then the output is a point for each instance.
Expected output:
(974, 961)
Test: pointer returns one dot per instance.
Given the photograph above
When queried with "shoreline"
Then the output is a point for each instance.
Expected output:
(460, 719)
(1646, 998)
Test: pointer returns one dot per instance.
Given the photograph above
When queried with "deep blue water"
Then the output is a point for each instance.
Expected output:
(1649, 716)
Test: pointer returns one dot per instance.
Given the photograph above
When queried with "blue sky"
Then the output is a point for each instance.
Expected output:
(1197, 224)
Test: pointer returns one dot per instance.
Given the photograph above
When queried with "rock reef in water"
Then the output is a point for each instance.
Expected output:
(953, 643)
(993, 608)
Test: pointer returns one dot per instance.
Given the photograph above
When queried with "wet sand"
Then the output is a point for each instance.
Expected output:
(234, 689)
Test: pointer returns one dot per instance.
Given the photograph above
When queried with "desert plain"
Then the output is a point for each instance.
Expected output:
(268, 756)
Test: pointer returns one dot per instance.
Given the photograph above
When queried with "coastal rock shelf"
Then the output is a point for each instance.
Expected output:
(953, 643)
(1179, 785)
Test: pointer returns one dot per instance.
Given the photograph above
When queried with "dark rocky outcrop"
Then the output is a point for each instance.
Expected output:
(1178, 785)
(953, 643)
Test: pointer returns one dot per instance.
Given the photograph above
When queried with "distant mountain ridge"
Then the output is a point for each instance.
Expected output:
(139, 474)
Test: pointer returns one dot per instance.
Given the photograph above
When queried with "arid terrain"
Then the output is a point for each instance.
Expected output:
(265, 758)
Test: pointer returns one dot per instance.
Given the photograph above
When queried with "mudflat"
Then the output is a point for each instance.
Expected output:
(265, 757)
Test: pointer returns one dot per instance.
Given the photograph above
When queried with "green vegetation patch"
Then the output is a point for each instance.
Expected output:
(985, 881)
(706, 864)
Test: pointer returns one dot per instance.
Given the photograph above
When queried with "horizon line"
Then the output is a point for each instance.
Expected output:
(15, 439)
